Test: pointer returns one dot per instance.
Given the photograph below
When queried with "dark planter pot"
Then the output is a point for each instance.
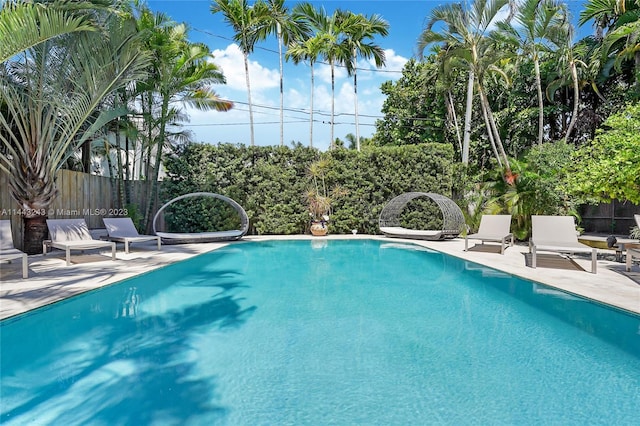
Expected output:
(35, 231)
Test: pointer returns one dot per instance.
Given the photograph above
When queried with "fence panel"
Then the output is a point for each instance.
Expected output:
(80, 195)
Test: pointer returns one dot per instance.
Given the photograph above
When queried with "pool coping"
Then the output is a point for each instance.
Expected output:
(51, 281)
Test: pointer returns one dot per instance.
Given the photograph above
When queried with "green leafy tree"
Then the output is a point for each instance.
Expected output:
(608, 168)
(414, 109)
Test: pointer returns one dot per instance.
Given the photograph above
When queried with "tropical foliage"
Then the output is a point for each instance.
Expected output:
(609, 167)
(54, 99)
(271, 182)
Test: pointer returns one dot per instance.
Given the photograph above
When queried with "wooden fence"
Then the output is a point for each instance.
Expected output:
(80, 195)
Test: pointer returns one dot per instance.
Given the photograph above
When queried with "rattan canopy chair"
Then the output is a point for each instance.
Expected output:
(203, 237)
(452, 218)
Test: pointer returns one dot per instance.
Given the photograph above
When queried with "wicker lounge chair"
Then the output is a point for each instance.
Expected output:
(557, 234)
(202, 237)
(73, 234)
(122, 230)
(452, 218)
(7, 250)
(493, 228)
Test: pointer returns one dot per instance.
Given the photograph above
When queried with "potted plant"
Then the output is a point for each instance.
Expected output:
(318, 198)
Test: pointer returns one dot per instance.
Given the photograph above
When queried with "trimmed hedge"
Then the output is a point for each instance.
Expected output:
(270, 183)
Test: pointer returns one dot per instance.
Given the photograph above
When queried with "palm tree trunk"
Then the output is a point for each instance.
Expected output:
(311, 112)
(576, 99)
(536, 65)
(246, 73)
(279, 30)
(493, 128)
(333, 102)
(153, 193)
(467, 119)
(452, 112)
(355, 96)
(492, 140)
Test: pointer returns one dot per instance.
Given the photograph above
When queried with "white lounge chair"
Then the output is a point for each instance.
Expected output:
(73, 234)
(557, 234)
(633, 250)
(122, 229)
(493, 228)
(7, 250)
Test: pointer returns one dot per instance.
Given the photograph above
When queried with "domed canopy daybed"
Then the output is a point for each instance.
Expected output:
(452, 218)
(203, 237)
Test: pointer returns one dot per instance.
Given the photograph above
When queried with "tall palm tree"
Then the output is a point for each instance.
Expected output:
(534, 21)
(568, 57)
(244, 19)
(356, 29)
(182, 74)
(286, 27)
(307, 49)
(54, 95)
(332, 50)
(464, 30)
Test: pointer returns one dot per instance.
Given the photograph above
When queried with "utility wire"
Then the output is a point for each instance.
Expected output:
(316, 62)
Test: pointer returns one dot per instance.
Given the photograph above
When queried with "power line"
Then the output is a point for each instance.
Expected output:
(317, 62)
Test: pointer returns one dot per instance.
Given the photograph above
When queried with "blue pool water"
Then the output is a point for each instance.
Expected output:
(321, 332)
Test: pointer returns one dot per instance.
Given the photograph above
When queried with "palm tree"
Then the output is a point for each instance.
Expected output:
(464, 30)
(244, 19)
(356, 29)
(53, 93)
(568, 59)
(604, 13)
(181, 74)
(24, 25)
(307, 49)
(624, 39)
(327, 28)
(286, 28)
(534, 21)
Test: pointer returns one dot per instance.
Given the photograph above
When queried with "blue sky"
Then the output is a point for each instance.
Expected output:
(405, 18)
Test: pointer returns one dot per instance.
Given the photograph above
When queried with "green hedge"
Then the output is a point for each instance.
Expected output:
(270, 183)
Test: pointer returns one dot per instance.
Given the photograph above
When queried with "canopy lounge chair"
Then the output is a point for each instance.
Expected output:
(452, 218)
(557, 234)
(494, 228)
(202, 237)
(73, 234)
(7, 251)
(122, 230)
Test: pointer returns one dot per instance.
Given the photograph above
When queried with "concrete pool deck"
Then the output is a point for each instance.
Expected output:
(51, 281)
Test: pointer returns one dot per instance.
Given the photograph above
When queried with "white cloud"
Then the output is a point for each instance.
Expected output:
(323, 73)
(393, 62)
(231, 62)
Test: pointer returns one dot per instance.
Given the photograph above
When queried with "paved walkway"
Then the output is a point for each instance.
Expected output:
(50, 280)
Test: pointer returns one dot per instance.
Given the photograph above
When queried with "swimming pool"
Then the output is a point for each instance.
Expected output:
(321, 332)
